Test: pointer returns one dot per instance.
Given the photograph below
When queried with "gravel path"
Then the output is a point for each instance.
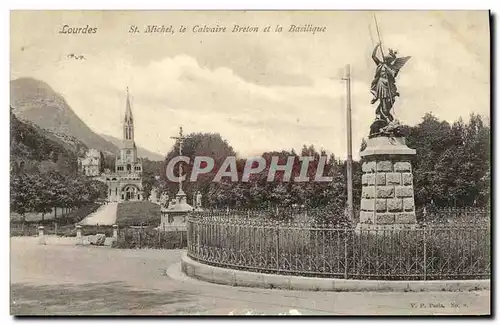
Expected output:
(104, 216)
(64, 279)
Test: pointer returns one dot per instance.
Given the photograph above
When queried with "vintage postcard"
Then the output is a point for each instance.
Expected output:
(250, 163)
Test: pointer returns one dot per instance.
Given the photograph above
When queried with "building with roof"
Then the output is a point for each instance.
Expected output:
(90, 164)
(125, 182)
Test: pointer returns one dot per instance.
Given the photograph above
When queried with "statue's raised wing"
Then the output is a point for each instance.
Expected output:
(399, 63)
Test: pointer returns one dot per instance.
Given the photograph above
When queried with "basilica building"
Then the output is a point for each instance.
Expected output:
(125, 183)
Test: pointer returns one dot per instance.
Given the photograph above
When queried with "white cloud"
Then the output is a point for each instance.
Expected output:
(177, 91)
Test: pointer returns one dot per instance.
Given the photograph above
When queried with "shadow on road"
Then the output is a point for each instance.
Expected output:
(90, 299)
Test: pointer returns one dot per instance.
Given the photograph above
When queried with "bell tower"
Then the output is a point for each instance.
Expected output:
(125, 184)
(129, 150)
(128, 162)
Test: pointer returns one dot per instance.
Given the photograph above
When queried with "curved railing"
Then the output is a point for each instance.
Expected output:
(238, 241)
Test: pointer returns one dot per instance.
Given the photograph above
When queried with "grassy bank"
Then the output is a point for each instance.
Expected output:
(138, 213)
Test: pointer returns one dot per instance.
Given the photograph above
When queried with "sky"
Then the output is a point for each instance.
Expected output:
(261, 91)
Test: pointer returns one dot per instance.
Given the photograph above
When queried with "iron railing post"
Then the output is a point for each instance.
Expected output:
(425, 251)
(345, 254)
(140, 235)
(277, 248)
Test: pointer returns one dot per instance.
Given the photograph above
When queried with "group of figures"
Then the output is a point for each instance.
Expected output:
(165, 203)
(384, 91)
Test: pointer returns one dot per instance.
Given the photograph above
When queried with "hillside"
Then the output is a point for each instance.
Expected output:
(141, 152)
(35, 101)
(35, 146)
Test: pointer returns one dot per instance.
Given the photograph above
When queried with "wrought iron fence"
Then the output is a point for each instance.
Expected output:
(427, 252)
(55, 229)
(453, 215)
(20, 229)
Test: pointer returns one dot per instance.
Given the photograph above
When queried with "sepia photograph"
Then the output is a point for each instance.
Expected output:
(250, 162)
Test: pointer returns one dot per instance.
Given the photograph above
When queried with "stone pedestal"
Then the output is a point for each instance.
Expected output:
(387, 198)
(115, 232)
(174, 217)
(79, 238)
(41, 236)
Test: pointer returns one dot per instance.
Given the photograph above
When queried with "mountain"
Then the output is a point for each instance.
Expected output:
(141, 152)
(34, 100)
(37, 148)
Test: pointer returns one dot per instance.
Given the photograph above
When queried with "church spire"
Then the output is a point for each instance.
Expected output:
(128, 123)
(127, 162)
(128, 111)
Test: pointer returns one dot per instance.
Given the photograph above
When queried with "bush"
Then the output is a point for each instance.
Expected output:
(452, 252)
(452, 215)
(70, 218)
(23, 231)
(70, 231)
(150, 238)
(78, 215)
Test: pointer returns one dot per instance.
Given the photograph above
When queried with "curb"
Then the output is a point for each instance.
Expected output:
(239, 278)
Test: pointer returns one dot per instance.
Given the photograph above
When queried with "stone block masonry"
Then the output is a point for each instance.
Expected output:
(402, 166)
(404, 191)
(381, 179)
(368, 192)
(369, 167)
(384, 218)
(384, 192)
(381, 205)
(405, 217)
(407, 178)
(368, 179)
(409, 204)
(368, 205)
(393, 178)
(387, 193)
(395, 205)
(384, 166)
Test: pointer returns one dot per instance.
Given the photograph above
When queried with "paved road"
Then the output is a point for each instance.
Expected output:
(62, 279)
(105, 215)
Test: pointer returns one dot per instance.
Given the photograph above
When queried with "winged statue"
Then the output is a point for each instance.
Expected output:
(383, 87)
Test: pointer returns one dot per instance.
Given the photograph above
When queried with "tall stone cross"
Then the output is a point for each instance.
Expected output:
(181, 139)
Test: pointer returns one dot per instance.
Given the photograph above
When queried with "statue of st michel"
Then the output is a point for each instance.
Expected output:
(384, 91)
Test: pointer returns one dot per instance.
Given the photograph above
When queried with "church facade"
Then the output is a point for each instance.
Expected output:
(125, 183)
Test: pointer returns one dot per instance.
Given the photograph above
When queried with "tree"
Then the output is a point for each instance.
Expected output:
(21, 194)
(48, 177)
(452, 162)
(150, 170)
(102, 162)
(45, 198)
(198, 144)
